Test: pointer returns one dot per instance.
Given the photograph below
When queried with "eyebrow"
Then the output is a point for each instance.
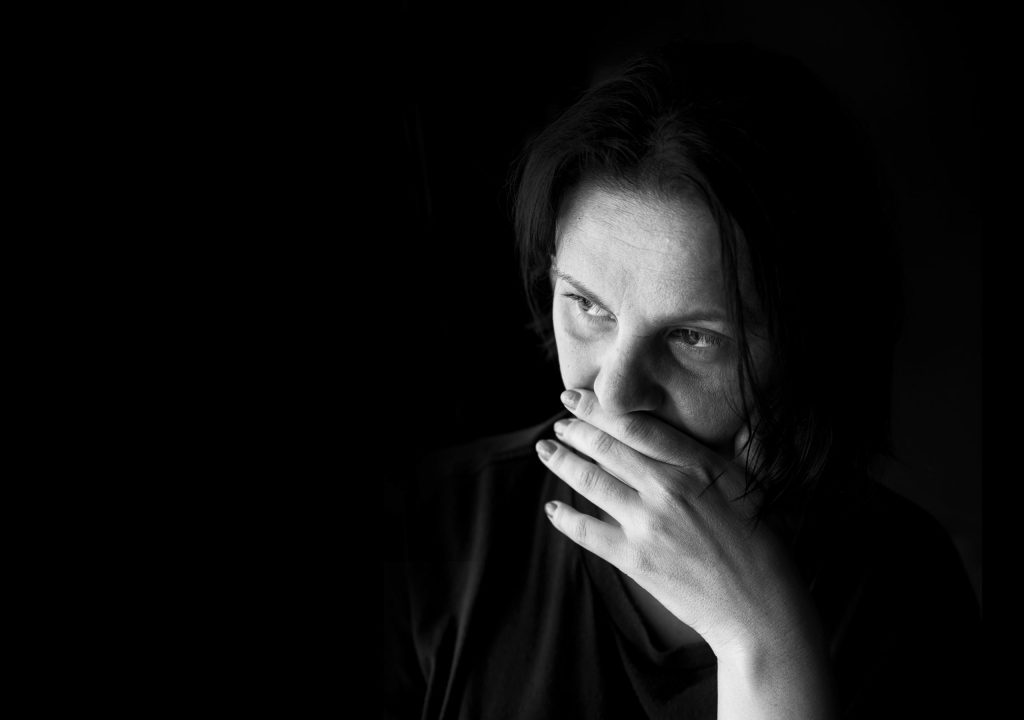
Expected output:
(702, 314)
(591, 295)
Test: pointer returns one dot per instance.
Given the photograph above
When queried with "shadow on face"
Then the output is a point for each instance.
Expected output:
(640, 311)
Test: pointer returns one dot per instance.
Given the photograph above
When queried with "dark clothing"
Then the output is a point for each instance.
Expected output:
(498, 615)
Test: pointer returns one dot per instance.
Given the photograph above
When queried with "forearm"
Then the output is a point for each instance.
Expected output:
(784, 681)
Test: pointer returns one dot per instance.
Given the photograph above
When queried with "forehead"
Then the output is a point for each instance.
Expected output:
(641, 246)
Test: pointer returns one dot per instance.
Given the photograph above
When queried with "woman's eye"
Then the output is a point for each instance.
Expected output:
(696, 338)
(588, 308)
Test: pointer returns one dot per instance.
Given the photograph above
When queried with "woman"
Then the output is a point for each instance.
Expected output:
(697, 534)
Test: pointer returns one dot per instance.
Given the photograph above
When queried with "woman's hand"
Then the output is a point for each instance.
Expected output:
(683, 531)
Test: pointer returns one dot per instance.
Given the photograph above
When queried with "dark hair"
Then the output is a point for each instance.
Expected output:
(775, 154)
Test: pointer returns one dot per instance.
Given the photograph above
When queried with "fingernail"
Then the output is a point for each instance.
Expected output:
(549, 509)
(570, 398)
(560, 427)
(546, 448)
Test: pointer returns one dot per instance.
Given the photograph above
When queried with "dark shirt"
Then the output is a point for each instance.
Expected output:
(495, 614)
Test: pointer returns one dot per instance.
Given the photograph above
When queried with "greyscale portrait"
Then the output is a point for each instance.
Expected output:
(694, 432)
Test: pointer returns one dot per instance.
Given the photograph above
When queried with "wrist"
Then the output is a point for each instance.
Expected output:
(759, 659)
(782, 675)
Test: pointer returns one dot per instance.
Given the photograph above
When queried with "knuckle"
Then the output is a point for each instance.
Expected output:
(667, 491)
(585, 406)
(646, 524)
(640, 560)
(579, 530)
(588, 478)
(658, 526)
(635, 427)
(688, 467)
(604, 443)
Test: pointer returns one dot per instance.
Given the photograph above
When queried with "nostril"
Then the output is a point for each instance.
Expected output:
(625, 394)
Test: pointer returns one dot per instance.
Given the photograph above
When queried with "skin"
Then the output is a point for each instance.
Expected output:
(657, 339)
(647, 355)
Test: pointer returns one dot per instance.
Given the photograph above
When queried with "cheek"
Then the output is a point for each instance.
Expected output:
(576, 354)
(708, 409)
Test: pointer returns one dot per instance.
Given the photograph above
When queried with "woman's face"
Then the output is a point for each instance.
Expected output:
(640, 311)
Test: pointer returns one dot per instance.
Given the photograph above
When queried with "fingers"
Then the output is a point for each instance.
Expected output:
(588, 479)
(622, 461)
(645, 433)
(591, 534)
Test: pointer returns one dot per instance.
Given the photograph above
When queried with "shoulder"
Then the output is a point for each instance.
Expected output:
(884, 559)
(906, 543)
(911, 550)
(885, 539)
(888, 578)
(896, 524)
(895, 599)
(897, 605)
(876, 524)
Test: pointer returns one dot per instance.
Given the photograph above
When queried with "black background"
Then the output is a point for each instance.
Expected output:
(344, 292)
(470, 86)
(331, 289)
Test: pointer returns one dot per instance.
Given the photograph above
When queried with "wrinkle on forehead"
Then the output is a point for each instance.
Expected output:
(671, 238)
(610, 209)
(647, 255)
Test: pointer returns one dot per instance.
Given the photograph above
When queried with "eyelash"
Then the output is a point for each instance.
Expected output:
(583, 305)
(709, 340)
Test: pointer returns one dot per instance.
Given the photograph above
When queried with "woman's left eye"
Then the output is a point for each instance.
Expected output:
(696, 338)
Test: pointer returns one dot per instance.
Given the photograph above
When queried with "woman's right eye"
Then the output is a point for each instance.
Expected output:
(588, 309)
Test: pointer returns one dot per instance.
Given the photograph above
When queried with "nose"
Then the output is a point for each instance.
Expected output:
(626, 379)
